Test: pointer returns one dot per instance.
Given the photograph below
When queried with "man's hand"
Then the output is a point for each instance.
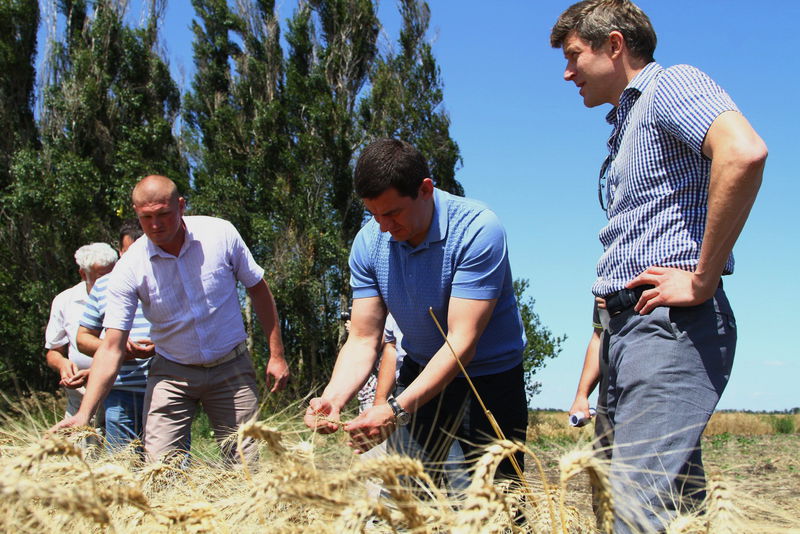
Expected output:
(277, 373)
(66, 370)
(370, 428)
(320, 416)
(581, 404)
(74, 421)
(139, 349)
(76, 380)
(673, 287)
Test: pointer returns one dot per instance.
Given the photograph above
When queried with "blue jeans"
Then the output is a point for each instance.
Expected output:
(124, 417)
(666, 373)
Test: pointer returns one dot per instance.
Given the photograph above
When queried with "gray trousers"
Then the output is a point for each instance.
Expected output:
(228, 393)
(666, 373)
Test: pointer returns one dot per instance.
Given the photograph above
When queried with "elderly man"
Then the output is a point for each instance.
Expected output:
(683, 170)
(61, 336)
(185, 276)
(426, 249)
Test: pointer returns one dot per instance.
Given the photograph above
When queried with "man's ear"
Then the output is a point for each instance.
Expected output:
(426, 187)
(616, 43)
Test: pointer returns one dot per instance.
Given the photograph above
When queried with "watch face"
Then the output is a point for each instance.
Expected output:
(403, 418)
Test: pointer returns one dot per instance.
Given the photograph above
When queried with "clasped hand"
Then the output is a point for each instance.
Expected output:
(367, 430)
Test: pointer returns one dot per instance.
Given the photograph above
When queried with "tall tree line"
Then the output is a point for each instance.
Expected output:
(266, 137)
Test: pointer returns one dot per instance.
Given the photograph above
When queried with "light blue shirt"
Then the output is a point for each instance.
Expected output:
(658, 176)
(190, 300)
(133, 373)
(464, 255)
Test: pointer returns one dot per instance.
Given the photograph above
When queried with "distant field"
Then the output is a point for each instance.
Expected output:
(547, 424)
(305, 483)
(756, 455)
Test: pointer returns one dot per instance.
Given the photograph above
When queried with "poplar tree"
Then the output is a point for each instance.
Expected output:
(107, 113)
(406, 99)
(19, 21)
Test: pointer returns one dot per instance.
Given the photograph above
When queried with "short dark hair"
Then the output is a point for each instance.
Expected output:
(594, 20)
(389, 163)
(131, 228)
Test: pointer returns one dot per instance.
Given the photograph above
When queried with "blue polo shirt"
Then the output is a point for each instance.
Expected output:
(464, 255)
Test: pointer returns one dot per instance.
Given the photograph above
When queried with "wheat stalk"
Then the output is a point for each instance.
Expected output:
(580, 460)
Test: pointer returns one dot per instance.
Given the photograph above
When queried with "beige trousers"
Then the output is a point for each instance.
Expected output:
(228, 393)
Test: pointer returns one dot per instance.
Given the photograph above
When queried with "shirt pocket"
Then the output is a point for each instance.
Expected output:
(218, 287)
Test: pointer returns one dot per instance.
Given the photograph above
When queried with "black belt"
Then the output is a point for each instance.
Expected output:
(625, 299)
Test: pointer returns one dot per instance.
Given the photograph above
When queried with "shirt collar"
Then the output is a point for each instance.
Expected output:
(155, 250)
(635, 88)
(439, 222)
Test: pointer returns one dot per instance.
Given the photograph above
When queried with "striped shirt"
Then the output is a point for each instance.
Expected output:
(133, 373)
(658, 177)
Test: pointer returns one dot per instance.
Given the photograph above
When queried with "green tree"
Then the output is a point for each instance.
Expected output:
(542, 345)
(406, 99)
(108, 109)
(19, 20)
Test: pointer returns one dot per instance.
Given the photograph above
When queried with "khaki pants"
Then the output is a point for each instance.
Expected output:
(227, 391)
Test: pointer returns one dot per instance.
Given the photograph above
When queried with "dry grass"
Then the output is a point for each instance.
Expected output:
(309, 483)
(552, 426)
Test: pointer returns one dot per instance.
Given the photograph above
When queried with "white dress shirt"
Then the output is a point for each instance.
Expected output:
(62, 328)
(190, 300)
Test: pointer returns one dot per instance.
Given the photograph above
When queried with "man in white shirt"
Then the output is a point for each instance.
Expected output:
(185, 275)
(63, 356)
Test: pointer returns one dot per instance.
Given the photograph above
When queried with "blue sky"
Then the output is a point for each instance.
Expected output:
(532, 152)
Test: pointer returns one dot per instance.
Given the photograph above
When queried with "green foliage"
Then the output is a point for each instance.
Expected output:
(19, 20)
(108, 111)
(542, 345)
(269, 137)
(783, 424)
(719, 441)
(406, 99)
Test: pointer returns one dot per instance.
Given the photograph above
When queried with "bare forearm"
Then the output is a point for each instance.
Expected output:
(56, 358)
(88, 340)
(437, 374)
(355, 361)
(267, 313)
(730, 201)
(104, 371)
(386, 373)
(590, 374)
(737, 157)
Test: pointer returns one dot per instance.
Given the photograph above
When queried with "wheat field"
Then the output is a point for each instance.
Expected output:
(308, 483)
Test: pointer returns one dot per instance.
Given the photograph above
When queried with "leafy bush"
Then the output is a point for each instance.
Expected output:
(783, 425)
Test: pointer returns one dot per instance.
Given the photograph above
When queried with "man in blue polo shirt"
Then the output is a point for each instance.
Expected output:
(425, 248)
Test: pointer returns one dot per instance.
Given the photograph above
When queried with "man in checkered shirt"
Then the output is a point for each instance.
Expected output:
(683, 170)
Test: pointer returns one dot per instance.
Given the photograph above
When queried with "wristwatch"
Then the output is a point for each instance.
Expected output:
(401, 416)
